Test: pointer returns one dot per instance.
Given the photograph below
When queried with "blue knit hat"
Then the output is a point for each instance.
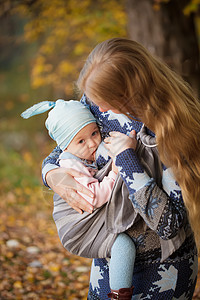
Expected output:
(65, 119)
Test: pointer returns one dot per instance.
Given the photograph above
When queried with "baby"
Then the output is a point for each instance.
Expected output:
(74, 128)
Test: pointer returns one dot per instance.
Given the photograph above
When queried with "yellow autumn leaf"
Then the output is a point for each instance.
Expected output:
(54, 267)
(66, 67)
(30, 277)
(9, 254)
(17, 285)
(51, 231)
(11, 220)
(37, 82)
(79, 49)
(27, 156)
(83, 278)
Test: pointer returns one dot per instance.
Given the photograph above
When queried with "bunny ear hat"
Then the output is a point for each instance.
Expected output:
(65, 119)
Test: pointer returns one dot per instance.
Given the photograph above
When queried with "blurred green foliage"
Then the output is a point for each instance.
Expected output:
(43, 46)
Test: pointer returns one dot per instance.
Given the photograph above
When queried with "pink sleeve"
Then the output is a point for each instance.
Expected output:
(101, 190)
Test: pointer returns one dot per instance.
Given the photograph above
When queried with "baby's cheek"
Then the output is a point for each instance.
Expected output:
(81, 151)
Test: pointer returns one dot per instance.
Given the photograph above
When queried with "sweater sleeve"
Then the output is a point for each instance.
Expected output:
(50, 163)
(101, 190)
(162, 209)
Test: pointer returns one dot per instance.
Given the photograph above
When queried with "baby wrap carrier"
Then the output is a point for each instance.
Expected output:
(92, 235)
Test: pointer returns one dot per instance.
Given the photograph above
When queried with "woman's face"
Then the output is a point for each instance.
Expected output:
(103, 105)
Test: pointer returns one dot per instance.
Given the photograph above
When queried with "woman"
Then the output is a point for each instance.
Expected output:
(121, 76)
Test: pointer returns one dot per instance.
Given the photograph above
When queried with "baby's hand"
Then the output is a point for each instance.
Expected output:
(118, 142)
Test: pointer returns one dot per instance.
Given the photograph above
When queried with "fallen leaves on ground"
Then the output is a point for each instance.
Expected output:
(34, 264)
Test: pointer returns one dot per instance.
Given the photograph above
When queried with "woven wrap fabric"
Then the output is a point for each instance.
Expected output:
(92, 235)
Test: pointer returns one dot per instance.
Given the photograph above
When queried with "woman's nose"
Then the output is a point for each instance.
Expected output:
(102, 109)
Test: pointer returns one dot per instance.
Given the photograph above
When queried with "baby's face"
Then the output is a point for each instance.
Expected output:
(86, 142)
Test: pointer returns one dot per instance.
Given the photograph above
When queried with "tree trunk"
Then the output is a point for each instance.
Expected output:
(168, 34)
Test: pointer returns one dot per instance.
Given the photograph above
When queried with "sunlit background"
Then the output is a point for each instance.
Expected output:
(43, 45)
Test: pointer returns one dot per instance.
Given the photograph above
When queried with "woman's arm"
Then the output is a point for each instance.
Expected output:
(101, 190)
(62, 182)
(162, 209)
(50, 163)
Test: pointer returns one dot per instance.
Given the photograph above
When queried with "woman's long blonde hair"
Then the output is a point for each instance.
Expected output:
(124, 74)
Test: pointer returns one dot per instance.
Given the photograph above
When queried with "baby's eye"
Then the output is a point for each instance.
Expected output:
(94, 133)
(81, 142)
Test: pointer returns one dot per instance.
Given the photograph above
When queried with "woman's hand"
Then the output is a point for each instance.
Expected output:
(118, 142)
(114, 168)
(62, 182)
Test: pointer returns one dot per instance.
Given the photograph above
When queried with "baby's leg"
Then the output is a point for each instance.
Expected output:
(122, 262)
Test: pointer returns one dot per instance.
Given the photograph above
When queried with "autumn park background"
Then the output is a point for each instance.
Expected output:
(43, 45)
